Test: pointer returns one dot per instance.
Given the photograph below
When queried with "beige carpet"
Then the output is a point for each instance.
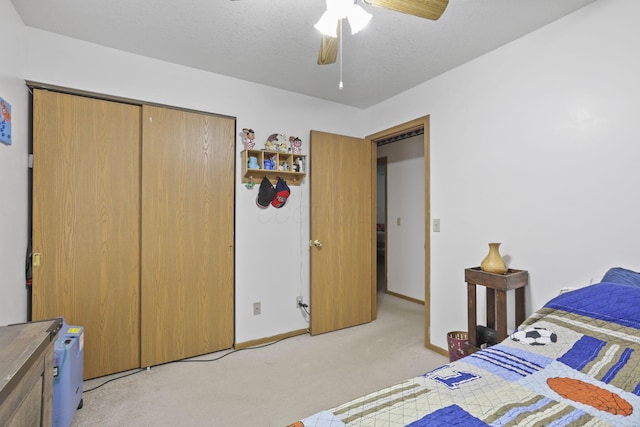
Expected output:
(269, 386)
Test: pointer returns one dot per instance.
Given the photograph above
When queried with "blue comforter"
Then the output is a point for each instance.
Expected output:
(574, 362)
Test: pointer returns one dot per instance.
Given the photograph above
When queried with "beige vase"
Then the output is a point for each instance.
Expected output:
(494, 263)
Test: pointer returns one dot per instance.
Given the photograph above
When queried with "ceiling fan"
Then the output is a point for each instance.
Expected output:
(337, 10)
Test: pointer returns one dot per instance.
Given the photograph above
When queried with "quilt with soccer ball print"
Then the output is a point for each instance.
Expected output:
(575, 362)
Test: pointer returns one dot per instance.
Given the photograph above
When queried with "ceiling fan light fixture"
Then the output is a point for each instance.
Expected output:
(327, 24)
(358, 18)
(340, 9)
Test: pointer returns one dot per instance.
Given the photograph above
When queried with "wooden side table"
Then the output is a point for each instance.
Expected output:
(497, 286)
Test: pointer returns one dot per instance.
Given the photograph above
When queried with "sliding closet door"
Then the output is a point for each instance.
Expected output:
(187, 234)
(86, 207)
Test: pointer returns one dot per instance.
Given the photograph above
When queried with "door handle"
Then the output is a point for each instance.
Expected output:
(317, 243)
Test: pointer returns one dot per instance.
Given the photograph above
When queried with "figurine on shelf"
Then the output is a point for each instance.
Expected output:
(282, 147)
(270, 164)
(253, 162)
(247, 138)
(275, 142)
(296, 144)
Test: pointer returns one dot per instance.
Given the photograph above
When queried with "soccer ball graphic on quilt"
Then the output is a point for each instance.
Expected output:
(535, 336)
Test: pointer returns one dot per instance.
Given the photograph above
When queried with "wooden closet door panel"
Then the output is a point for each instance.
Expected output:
(187, 234)
(86, 208)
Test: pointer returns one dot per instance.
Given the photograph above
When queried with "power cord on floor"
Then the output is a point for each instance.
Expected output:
(112, 379)
(193, 360)
(234, 351)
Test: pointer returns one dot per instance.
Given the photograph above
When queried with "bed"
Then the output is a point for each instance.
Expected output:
(575, 362)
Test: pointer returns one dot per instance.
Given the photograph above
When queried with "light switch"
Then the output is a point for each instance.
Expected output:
(436, 225)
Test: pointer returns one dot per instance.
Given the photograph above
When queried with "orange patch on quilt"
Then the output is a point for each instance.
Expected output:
(589, 394)
(296, 424)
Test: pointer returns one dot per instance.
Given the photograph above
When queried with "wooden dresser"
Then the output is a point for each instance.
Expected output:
(26, 373)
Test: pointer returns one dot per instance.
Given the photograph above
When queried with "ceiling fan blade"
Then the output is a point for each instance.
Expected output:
(328, 50)
(428, 9)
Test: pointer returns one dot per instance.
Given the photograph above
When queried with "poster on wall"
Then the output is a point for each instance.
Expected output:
(5, 122)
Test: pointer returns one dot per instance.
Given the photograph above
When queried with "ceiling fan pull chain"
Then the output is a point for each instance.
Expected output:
(340, 85)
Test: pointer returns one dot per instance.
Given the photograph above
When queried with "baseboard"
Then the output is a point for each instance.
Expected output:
(266, 340)
(437, 349)
(404, 297)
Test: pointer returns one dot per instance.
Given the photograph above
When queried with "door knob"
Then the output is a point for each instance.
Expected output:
(317, 243)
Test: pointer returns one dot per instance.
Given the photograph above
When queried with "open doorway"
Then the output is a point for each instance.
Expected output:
(404, 227)
(419, 126)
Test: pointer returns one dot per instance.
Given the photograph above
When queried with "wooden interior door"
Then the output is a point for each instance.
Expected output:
(187, 234)
(342, 173)
(86, 207)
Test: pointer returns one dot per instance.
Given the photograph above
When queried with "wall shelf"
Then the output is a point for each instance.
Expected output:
(284, 166)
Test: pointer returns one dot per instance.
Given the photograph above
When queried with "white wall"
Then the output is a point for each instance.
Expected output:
(405, 200)
(534, 145)
(13, 171)
(272, 260)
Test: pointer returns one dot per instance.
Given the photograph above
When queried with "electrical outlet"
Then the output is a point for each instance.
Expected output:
(298, 302)
(257, 309)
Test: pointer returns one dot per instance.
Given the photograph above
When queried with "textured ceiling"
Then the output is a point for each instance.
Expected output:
(273, 42)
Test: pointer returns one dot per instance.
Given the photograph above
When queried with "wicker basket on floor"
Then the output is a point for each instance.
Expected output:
(456, 341)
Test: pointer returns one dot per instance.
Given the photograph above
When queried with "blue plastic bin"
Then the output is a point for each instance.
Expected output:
(68, 371)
